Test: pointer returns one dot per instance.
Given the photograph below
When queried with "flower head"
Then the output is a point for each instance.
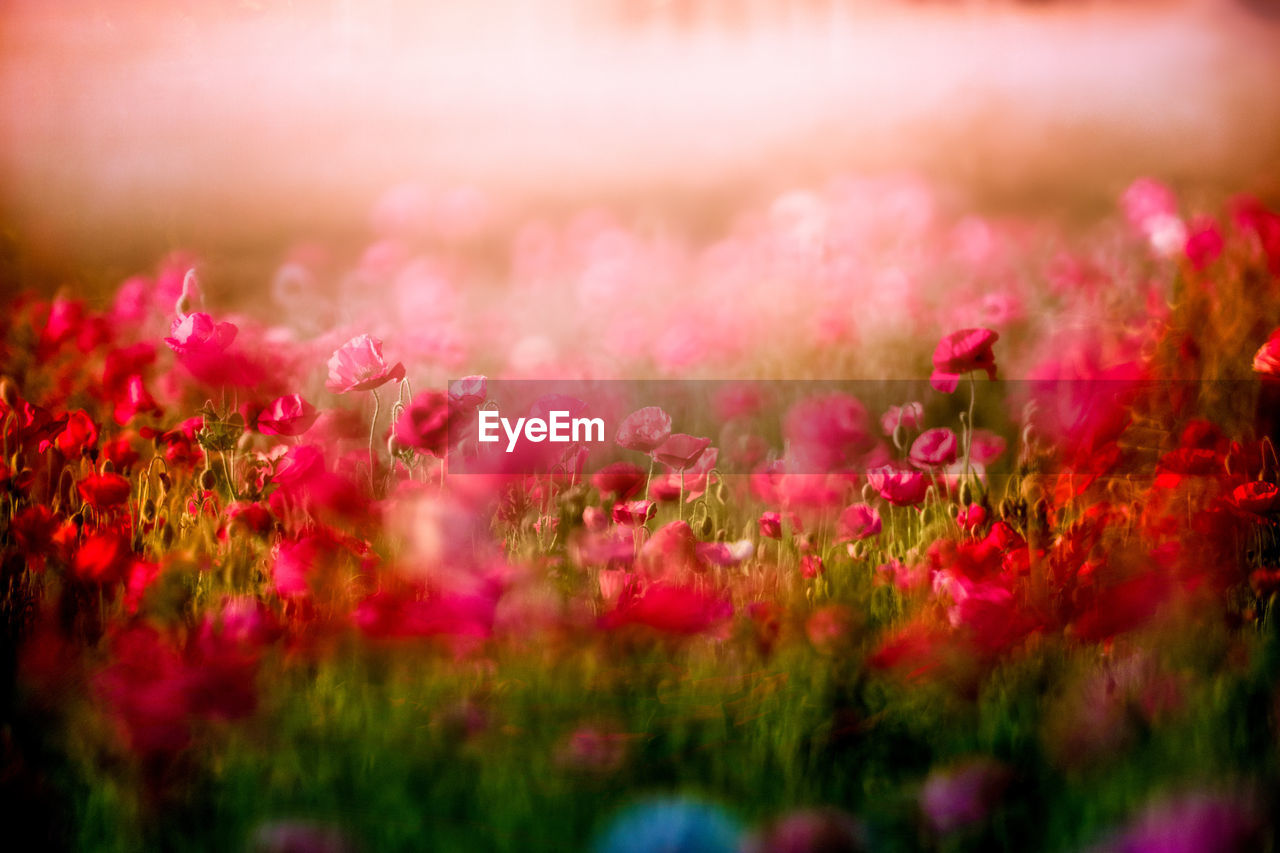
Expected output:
(289, 415)
(962, 352)
(358, 365)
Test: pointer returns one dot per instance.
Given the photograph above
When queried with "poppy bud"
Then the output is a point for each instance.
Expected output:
(208, 480)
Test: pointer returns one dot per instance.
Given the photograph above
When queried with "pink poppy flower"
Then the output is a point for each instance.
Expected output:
(908, 416)
(469, 391)
(289, 415)
(358, 365)
(771, 525)
(933, 448)
(1267, 360)
(198, 335)
(644, 429)
(621, 478)
(963, 794)
(681, 451)
(857, 522)
(1204, 243)
(825, 432)
(633, 513)
(901, 488)
(811, 566)
(424, 425)
(986, 447)
(962, 352)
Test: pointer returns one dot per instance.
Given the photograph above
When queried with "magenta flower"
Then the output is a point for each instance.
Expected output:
(857, 522)
(644, 429)
(771, 525)
(962, 352)
(633, 513)
(290, 415)
(986, 447)
(358, 365)
(198, 335)
(681, 451)
(621, 478)
(934, 448)
(1267, 360)
(825, 432)
(469, 391)
(908, 416)
(963, 794)
(424, 425)
(901, 488)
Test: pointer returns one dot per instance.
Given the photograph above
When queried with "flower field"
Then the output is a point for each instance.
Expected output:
(1013, 588)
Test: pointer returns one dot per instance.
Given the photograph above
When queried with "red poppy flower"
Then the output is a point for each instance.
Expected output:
(935, 448)
(104, 491)
(621, 479)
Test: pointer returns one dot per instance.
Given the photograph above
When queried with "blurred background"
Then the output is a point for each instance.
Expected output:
(230, 127)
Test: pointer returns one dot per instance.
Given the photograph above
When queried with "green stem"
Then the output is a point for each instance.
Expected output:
(373, 428)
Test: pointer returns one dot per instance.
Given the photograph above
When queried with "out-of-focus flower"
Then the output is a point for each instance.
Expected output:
(858, 521)
(809, 831)
(469, 391)
(103, 558)
(1258, 497)
(79, 435)
(933, 448)
(197, 334)
(1191, 823)
(906, 416)
(828, 627)
(672, 826)
(1267, 360)
(290, 415)
(898, 487)
(644, 429)
(358, 365)
(963, 352)
(424, 425)
(811, 566)
(590, 749)
(104, 491)
(963, 794)
(681, 451)
(298, 836)
(670, 608)
(633, 513)
(1204, 243)
(621, 479)
(771, 525)
(826, 433)
(986, 447)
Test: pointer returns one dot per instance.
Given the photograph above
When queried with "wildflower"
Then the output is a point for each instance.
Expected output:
(633, 513)
(933, 448)
(621, 479)
(962, 352)
(358, 365)
(771, 525)
(197, 334)
(104, 491)
(424, 425)
(1267, 360)
(289, 415)
(644, 429)
(811, 566)
(825, 433)
(964, 794)
(906, 416)
(468, 392)
(898, 487)
(857, 522)
(681, 451)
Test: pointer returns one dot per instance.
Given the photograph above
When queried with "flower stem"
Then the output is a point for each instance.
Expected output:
(373, 428)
